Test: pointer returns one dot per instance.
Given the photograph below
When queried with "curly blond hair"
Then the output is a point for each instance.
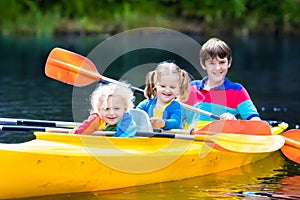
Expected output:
(102, 92)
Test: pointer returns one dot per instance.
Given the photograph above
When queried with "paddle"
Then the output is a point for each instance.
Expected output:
(291, 148)
(232, 142)
(228, 126)
(75, 69)
(237, 126)
(32, 122)
(212, 128)
(33, 129)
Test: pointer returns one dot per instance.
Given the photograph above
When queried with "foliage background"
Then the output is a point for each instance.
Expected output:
(239, 17)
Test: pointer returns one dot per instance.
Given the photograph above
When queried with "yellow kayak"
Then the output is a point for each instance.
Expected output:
(62, 163)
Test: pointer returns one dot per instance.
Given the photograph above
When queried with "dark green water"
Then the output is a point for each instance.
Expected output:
(267, 67)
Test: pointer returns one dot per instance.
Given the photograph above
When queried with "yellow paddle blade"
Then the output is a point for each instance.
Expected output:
(245, 143)
(71, 68)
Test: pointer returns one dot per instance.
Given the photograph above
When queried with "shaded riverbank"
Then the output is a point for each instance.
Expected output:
(206, 17)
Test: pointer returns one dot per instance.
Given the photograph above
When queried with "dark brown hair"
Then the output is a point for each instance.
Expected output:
(213, 48)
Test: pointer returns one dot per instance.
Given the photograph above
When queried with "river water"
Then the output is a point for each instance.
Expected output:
(266, 66)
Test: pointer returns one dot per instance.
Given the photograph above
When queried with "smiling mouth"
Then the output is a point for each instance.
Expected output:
(167, 95)
(218, 72)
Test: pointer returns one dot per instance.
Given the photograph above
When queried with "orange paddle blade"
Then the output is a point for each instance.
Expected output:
(71, 68)
(249, 127)
(291, 148)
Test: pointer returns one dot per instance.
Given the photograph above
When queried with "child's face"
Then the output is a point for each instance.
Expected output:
(216, 68)
(113, 111)
(167, 87)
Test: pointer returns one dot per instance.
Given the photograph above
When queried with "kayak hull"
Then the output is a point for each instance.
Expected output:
(93, 163)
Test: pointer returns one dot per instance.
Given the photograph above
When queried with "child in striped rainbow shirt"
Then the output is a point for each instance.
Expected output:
(215, 93)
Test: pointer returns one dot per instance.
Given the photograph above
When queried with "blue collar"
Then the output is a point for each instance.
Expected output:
(223, 86)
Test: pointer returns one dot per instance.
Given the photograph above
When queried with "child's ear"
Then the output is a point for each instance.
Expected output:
(229, 64)
(126, 108)
(202, 65)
